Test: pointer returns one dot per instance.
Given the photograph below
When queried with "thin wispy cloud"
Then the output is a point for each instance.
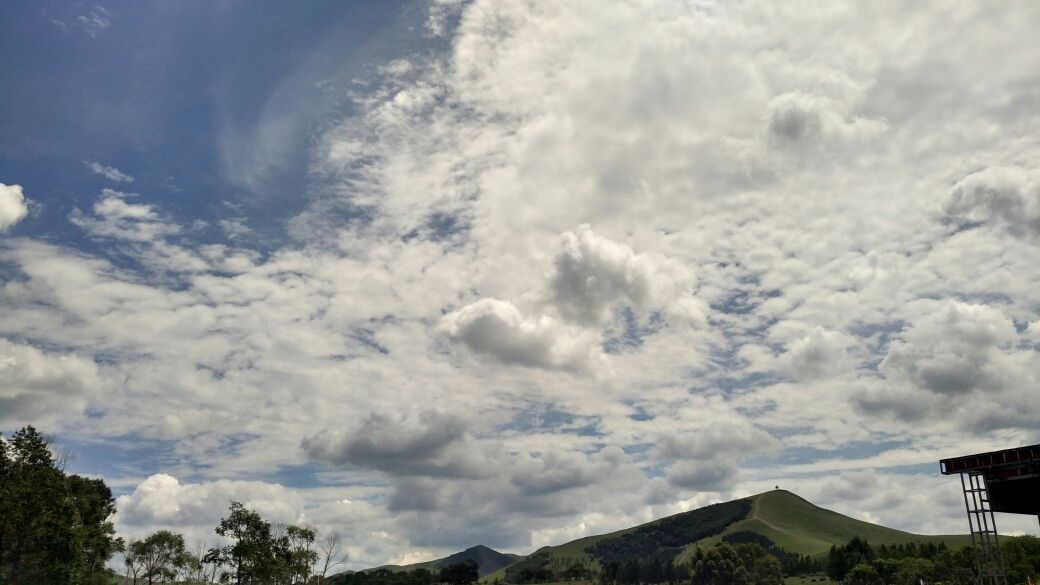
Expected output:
(111, 173)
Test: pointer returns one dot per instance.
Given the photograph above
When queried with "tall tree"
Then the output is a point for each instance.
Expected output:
(331, 553)
(159, 556)
(251, 554)
(53, 528)
(94, 504)
(301, 553)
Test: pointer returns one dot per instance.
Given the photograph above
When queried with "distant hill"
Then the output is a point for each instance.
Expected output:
(488, 561)
(802, 527)
(786, 519)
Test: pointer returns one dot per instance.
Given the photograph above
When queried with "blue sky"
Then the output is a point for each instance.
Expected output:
(180, 95)
(518, 271)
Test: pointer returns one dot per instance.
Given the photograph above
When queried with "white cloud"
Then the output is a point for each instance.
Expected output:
(94, 22)
(1007, 196)
(820, 353)
(428, 444)
(498, 329)
(114, 217)
(111, 173)
(953, 350)
(796, 119)
(554, 472)
(592, 274)
(162, 501)
(43, 386)
(13, 207)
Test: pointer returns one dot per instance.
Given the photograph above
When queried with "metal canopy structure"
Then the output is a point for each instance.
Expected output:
(998, 481)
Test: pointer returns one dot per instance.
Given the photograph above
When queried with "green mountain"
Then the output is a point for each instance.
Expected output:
(488, 561)
(786, 519)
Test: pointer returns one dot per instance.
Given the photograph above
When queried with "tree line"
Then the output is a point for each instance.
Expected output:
(55, 529)
(859, 563)
(723, 564)
(454, 574)
(258, 553)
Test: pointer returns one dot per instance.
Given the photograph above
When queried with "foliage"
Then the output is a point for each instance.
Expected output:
(256, 556)
(665, 538)
(1022, 558)
(719, 565)
(455, 574)
(157, 558)
(385, 577)
(460, 573)
(842, 559)
(633, 571)
(54, 527)
(906, 564)
(790, 563)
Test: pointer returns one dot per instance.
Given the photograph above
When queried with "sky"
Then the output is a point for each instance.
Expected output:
(440, 273)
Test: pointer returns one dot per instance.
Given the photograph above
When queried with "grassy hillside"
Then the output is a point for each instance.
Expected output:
(801, 527)
(663, 538)
(785, 518)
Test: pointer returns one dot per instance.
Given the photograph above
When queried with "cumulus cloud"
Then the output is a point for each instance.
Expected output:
(708, 456)
(796, 118)
(704, 476)
(12, 206)
(591, 277)
(430, 443)
(501, 331)
(953, 350)
(555, 472)
(591, 274)
(818, 354)
(39, 385)
(161, 500)
(960, 363)
(1006, 196)
(111, 173)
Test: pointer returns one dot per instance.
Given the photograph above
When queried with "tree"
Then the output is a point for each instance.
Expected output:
(330, 549)
(159, 557)
(53, 527)
(301, 553)
(720, 565)
(842, 559)
(762, 567)
(212, 562)
(863, 574)
(460, 573)
(198, 567)
(1022, 558)
(251, 554)
(94, 504)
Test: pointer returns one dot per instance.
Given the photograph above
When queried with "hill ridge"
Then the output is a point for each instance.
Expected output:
(488, 561)
(789, 520)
